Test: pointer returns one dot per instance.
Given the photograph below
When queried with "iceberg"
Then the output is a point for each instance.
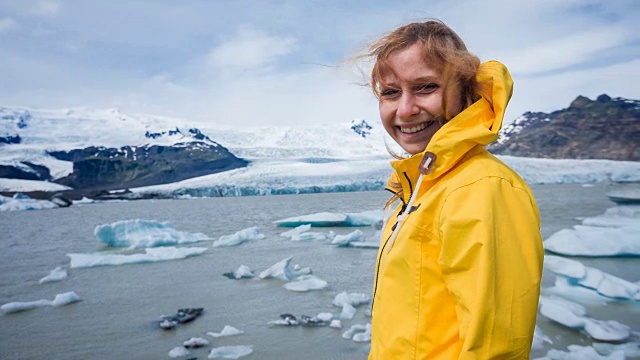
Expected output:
(57, 274)
(348, 239)
(20, 202)
(195, 342)
(596, 241)
(226, 331)
(573, 315)
(239, 237)
(144, 234)
(178, 351)
(328, 219)
(60, 300)
(296, 231)
(591, 278)
(283, 271)
(358, 333)
(617, 216)
(242, 272)
(150, 255)
(230, 352)
(349, 302)
(305, 283)
(578, 352)
(314, 236)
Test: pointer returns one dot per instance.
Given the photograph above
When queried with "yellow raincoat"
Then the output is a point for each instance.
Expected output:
(460, 279)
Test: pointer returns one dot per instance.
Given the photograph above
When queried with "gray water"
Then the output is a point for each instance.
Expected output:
(120, 304)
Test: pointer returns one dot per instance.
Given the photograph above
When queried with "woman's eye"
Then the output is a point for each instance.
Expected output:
(389, 92)
(427, 88)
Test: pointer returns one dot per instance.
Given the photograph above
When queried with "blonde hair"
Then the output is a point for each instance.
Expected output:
(443, 49)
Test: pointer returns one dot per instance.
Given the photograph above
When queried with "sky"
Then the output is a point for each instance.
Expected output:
(295, 62)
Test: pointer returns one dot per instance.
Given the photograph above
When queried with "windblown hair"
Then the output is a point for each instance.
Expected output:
(442, 49)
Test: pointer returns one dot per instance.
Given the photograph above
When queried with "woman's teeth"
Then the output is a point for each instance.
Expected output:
(413, 129)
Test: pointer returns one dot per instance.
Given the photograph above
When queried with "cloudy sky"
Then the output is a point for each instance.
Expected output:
(261, 62)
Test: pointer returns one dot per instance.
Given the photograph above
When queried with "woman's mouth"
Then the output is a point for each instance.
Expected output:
(414, 129)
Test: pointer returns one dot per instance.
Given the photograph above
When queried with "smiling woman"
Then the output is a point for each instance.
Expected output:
(461, 279)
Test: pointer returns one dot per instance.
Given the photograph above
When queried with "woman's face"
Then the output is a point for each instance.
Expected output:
(410, 100)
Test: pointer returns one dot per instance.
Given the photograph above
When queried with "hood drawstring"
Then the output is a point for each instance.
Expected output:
(423, 170)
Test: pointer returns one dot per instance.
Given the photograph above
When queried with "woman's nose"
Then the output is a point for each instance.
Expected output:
(407, 106)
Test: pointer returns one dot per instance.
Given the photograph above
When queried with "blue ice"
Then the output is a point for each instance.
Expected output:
(139, 233)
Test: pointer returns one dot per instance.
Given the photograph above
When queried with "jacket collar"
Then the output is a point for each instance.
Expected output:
(476, 125)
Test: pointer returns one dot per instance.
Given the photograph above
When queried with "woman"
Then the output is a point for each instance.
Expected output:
(459, 267)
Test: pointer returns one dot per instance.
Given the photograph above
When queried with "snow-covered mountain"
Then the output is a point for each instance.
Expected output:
(349, 156)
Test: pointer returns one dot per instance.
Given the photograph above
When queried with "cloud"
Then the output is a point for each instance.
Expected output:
(7, 25)
(250, 48)
(46, 9)
(566, 51)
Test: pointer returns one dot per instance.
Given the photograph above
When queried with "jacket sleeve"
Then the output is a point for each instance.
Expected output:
(491, 260)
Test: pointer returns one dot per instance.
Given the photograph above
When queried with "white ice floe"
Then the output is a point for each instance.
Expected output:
(574, 315)
(577, 352)
(336, 324)
(226, 331)
(239, 237)
(60, 300)
(324, 219)
(296, 231)
(349, 302)
(195, 342)
(630, 349)
(358, 333)
(57, 274)
(20, 202)
(150, 255)
(348, 239)
(596, 241)
(230, 352)
(242, 272)
(139, 233)
(304, 283)
(325, 316)
(592, 278)
(178, 351)
(617, 216)
(314, 236)
(282, 270)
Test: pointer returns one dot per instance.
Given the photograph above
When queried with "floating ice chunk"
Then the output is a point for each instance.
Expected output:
(144, 234)
(313, 236)
(592, 278)
(238, 238)
(577, 352)
(569, 289)
(346, 240)
(539, 338)
(631, 349)
(305, 283)
(336, 324)
(65, 299)
(240, 273)
(573, 315)
(226, 331)
(358, 333)
(296, 231)
(230, 352)
(178, 351)
(20, 202)
(596, 241)
(57, 274)
(349, 302)
(14, 307)
(59, 300)
(195, 342)
(325, 316)
(283, 271)
(84, 200)
(285, 320)
(150, 255)
(324, 219)
(617, 216)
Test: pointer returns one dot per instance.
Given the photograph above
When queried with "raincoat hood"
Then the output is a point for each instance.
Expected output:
(478, 124)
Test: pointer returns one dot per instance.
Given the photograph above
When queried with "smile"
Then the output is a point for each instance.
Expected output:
(411, 130)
